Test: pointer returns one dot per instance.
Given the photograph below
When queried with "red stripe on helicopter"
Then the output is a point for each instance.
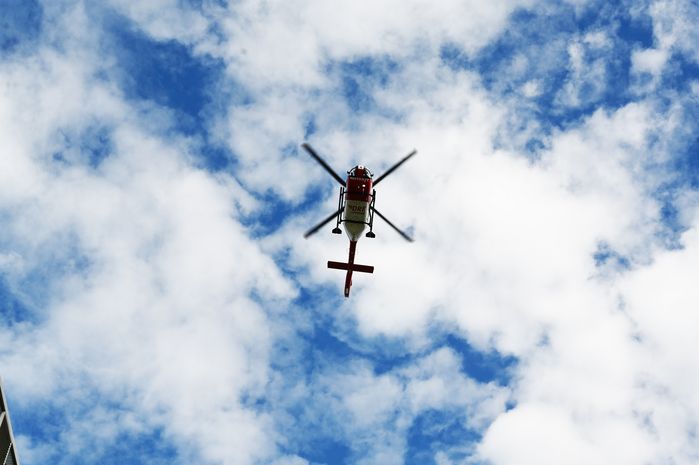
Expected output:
(358, 189)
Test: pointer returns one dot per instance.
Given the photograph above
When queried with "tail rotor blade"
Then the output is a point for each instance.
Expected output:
(322, 162)
(394, 167)
(321, 224)
(405, 236)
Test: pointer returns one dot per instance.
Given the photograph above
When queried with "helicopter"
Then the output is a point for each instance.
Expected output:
(355, 211)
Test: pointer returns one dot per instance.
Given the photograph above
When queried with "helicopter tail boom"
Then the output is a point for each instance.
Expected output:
(350, 267)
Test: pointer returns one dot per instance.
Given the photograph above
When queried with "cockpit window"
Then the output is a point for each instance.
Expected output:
(360, 171)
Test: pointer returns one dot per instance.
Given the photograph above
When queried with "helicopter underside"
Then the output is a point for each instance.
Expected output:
(355, 218)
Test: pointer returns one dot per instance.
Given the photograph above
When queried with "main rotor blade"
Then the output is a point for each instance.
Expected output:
(394, 167)
(405, 236)
(315, 228)
(313, 153)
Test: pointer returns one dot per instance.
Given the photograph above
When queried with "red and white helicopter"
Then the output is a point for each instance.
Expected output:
(355, 211)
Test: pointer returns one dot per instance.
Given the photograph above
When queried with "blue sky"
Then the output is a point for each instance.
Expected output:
(158, 301)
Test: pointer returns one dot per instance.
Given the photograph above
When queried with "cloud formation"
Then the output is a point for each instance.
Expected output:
(156, 290)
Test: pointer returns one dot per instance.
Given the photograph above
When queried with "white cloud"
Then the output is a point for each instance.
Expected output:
(169, 311)
(649, 61)
(505, 252)
(597, 39)
(287, 43)
(588, 77)
(162, 310)
(540, 434)
(660, 300)
(374, 412)
(165, 19)
(673, 34)
(491, 221)
(673, 27)
(531, 88)
(279, 52)
(437, 383)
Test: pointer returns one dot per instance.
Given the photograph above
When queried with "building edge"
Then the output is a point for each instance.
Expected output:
(8, 451)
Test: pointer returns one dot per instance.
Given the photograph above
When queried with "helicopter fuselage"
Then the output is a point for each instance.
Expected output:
(356, 215)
